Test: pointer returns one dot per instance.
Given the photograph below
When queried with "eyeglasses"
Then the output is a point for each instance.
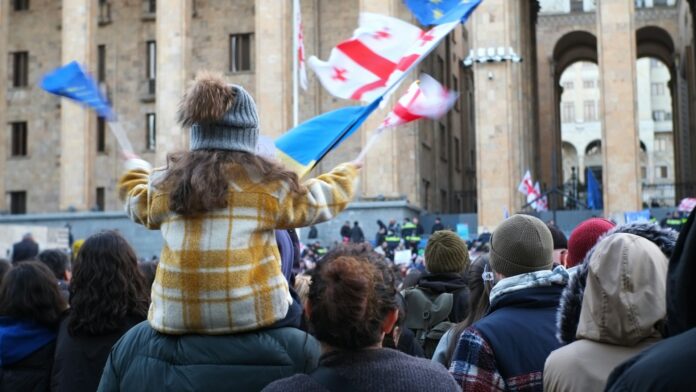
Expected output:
(487, 275)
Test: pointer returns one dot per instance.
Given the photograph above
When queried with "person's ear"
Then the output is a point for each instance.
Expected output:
(390, 321)
(564, 258)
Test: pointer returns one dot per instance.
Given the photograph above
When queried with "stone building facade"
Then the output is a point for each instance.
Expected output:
(143, 54)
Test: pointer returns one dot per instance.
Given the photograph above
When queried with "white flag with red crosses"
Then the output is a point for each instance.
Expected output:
(424, 98)
(299, 28)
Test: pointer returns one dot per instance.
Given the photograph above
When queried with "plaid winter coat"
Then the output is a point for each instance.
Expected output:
(219, 272)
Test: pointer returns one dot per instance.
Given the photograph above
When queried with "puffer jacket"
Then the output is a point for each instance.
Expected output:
(622, 313)
(146, 360)
(568, 314)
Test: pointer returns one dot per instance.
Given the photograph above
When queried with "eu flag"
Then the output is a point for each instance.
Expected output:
(303, 146)
(71, 81)
(594, 192)
(433, 12)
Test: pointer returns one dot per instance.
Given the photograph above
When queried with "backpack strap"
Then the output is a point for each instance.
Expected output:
(331, 380)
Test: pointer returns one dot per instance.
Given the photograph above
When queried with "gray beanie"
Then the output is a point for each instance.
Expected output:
(221, 116)
(521, 244)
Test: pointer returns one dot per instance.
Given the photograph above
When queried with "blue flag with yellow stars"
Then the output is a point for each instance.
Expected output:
(429, 12)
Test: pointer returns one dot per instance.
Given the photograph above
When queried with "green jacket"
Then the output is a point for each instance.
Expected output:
(146, 360)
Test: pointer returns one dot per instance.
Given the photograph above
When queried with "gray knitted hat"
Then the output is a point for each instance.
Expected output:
(221, 116)
(521, 244)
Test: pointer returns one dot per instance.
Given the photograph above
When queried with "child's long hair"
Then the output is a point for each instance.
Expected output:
(198, 181)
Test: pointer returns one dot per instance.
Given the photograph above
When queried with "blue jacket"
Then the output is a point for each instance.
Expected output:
(26, 355)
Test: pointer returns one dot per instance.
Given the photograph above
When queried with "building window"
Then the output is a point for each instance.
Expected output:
(19, 139)
(588, 84)
(576, 6)
(101, 134)
(455, 87)
(100, 199)
(240, 52)
(457, 157)
(426, 192)
(590, 111)
(18, 202)
(657, 89)
(662, 171)
(151, 66)
(151, 124)
(658, 115)
(443, 141)
(444, 205)
(643, 172)
(567, 85)
(661, 144)
(21, 5)
(20, 69)
(568, 112)
(104, 16)
(151, 6)
(101, 63)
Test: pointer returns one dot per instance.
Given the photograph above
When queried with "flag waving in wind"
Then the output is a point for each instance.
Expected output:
(424, 98)
(430, 12)
(360, 67)
(299, 45)
(71, 81)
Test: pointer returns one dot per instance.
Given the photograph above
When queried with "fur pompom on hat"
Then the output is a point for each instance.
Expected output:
(222, 116)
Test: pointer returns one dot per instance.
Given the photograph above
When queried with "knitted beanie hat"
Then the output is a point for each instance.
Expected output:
(584, 237)
(446, 253)
(521, 244)
(559, 239)
(221, 116)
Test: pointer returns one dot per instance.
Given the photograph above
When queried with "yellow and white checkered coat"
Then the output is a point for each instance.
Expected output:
(219, 272)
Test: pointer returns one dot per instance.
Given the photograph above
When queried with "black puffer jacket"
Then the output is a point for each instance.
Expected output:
(454, 283)
(568, 315)
(26, 355)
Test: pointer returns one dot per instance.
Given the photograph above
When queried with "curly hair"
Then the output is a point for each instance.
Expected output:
(351, 294)
(106, 286)
(198, 181)
(30, 291)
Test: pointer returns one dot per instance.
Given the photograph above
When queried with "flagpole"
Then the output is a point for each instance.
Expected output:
(370, 143)
(295, 47)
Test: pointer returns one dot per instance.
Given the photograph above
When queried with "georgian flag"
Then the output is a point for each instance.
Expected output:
(299, 28)
(360, 67)
(424, 98)
(542, 203)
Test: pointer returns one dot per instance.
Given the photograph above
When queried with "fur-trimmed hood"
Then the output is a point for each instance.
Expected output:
(568, 315)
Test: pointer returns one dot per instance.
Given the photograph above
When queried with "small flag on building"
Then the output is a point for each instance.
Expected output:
(299, 28)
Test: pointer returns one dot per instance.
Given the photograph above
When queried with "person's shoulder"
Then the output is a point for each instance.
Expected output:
(294, 383)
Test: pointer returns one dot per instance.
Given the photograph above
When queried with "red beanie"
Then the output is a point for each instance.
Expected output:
(584, 237)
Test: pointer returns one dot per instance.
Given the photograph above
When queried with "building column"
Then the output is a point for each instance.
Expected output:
(4, 126)
(78, 30)
(620, 144)
(173, 61)
(273, 65)
(390, 157)
(502, 110)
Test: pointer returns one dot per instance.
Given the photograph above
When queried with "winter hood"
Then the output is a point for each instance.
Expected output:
(624, 300)
(681, 292)
(20, 338)
(569, 309)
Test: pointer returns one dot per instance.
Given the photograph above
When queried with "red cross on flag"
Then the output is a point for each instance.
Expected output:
(424, 98)
(360, 67)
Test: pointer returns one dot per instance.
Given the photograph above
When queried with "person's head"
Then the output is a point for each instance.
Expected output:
(347, 223)
(560, 243)
(583, 238)
(302, 283)
(28, 237)
(57, 261)
(355, 223)
(446, 253)
(106, 287)
(521, 244)
(148, 269)
(29, 291)
(384, 245)
(223, 137)
(415, 220)
(437, 220)
(351, 303)
(625, 297)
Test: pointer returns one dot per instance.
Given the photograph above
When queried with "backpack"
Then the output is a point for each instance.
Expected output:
(427, 316)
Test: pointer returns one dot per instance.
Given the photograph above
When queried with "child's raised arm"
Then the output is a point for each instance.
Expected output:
(326, 196)
(142, 205)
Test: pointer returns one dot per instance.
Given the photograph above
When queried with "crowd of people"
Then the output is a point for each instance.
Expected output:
(234, 304)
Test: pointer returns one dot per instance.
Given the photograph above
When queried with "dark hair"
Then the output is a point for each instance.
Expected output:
(106, 286)
(57, 260)
(30, 291)
(198, 181)
(479, 301)
(148, 269)
(4, 267)
(351, 294)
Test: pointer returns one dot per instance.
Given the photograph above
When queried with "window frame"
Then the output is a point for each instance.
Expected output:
(236, 55)
(20, 69)
(18, 202)
(19, 139)
(150, 132)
